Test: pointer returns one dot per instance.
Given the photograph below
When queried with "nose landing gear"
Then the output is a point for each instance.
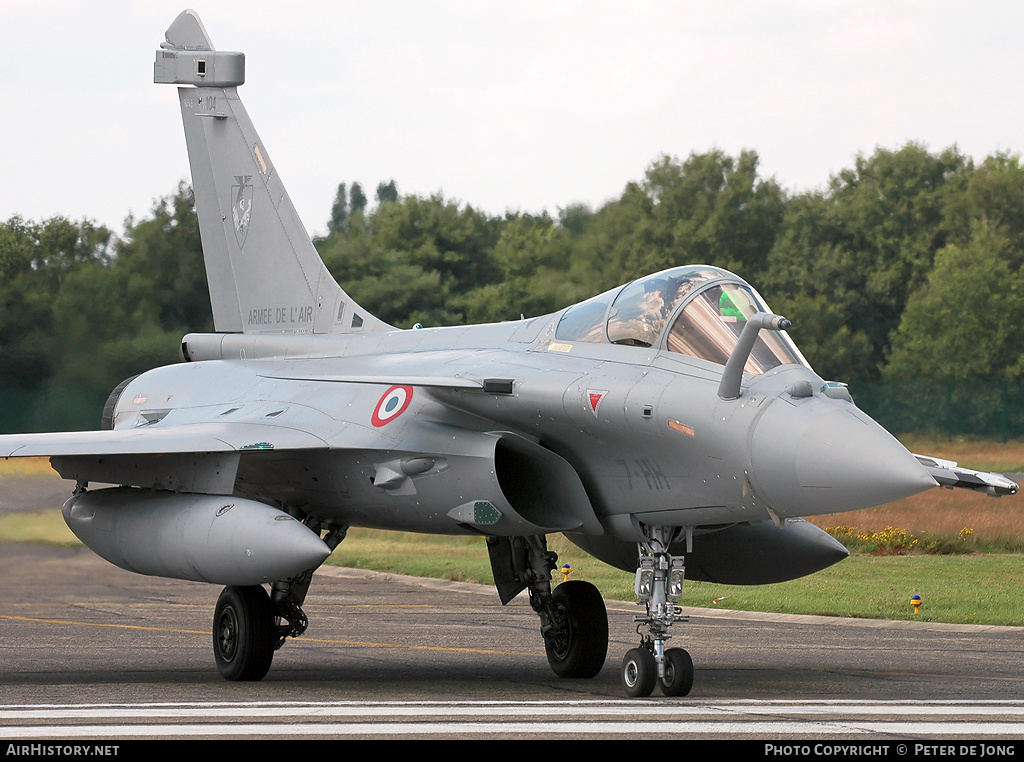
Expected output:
(659, 585)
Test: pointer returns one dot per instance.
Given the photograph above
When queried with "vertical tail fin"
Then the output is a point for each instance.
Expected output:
(264, 273)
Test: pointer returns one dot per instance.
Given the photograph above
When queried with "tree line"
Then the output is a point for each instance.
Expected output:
(905, 266)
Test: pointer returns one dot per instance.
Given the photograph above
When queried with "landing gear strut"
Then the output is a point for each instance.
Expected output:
(659, 585)
(573, 618)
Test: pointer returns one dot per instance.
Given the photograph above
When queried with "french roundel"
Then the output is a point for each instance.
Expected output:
(392, 404)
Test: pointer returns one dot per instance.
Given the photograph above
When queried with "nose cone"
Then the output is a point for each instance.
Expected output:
(826, 456)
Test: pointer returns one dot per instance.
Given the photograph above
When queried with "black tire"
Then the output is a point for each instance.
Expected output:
(243, 633)
(678, 678)
(639, 672)
(580, 647)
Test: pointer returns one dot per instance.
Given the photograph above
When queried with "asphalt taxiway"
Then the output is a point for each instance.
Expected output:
(77, 633)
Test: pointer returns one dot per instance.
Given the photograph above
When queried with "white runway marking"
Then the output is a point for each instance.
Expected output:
(691, 718)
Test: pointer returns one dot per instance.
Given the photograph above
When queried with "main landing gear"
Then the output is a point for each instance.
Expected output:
(573, 619)
(659, 585)
(250, 625)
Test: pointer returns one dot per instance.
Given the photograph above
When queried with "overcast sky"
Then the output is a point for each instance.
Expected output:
(527, 105)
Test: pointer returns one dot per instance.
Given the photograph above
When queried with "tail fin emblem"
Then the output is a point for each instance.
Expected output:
(241, 207)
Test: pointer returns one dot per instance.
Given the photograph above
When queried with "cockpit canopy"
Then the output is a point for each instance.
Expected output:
(695, 310)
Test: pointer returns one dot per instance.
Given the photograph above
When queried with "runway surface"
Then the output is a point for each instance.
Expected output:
(93, 652)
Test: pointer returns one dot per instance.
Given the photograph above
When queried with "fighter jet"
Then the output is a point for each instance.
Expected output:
(669, 427)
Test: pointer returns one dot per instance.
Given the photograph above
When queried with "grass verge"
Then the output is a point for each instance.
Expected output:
(962, 589)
